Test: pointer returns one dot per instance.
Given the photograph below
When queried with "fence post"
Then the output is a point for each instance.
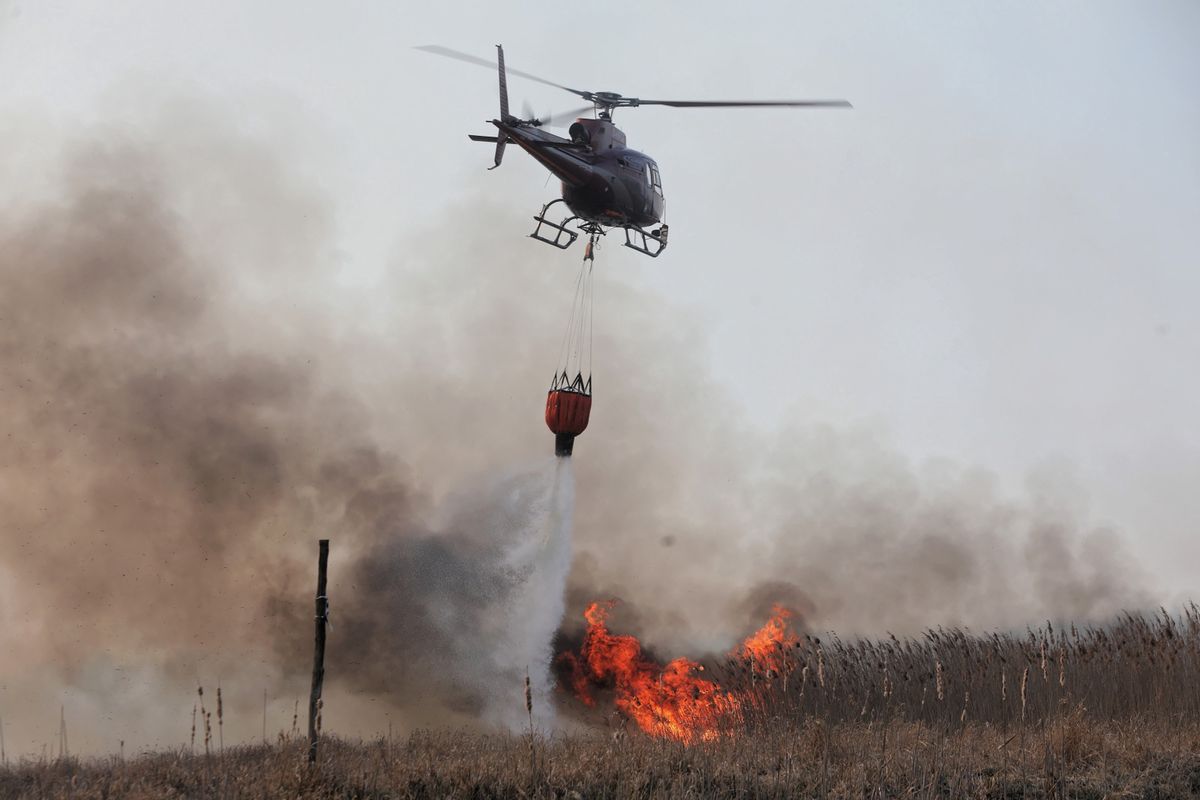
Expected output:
(318, 676)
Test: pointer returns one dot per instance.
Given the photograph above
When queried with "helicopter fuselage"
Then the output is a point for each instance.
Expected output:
(603, 181)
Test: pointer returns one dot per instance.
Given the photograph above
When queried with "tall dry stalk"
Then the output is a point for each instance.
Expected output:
(63, 750)
(204, 716)
(220, 720)
(1024, 695)
(529, 712)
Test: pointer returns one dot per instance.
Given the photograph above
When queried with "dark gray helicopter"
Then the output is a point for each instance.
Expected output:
(604, 183)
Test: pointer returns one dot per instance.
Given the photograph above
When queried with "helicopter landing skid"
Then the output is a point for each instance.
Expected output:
(647, 243)
(560, 229)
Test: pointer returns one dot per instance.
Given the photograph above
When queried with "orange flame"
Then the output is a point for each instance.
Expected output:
(767, 647)
(670, 700)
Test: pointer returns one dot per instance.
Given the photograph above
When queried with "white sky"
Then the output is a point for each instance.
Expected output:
(993, 258)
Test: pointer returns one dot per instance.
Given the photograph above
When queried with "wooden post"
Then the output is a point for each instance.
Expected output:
(318, 678)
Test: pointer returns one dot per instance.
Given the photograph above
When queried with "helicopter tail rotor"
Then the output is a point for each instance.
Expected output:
(555, 120)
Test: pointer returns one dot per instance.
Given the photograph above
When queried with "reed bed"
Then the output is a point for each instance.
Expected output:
(1137, 667)
(1071, 712)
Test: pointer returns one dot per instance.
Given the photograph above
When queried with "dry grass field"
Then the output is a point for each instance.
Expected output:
(1092, 712)
(1074, 758)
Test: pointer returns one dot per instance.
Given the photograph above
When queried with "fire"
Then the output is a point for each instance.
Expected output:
(767, 647)
(669, 700)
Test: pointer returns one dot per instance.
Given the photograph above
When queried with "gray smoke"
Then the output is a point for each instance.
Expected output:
(178, 431)
(190, 398)
(452, 622)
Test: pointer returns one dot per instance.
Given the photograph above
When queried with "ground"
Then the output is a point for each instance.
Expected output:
(1070, 757)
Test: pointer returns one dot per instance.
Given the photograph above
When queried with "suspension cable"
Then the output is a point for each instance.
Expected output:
(575, 354)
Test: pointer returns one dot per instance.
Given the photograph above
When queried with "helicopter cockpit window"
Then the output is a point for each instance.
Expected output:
(655, 180)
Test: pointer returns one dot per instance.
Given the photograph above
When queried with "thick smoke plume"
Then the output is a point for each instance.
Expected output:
(179, 430)
(190, 398)
(472, 608)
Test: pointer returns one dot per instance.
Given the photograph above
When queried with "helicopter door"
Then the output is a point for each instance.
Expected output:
(655, 202)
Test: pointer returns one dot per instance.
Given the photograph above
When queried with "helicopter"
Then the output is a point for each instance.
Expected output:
(605, 184)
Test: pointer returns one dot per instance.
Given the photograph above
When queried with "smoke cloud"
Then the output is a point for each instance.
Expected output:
(451, 623)
(190, 396)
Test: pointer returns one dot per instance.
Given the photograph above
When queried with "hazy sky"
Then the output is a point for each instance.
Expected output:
(991, 259)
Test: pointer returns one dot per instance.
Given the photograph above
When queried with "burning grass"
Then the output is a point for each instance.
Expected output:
(1137, 667)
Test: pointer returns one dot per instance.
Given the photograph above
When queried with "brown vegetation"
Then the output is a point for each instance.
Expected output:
(1075, 712)
(1077, 758)
(1135, 668)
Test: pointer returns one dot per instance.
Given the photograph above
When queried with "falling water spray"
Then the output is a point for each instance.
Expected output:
(531, 523)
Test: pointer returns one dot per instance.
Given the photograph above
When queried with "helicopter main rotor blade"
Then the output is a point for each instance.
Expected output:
(746, 103)
(438, 50)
